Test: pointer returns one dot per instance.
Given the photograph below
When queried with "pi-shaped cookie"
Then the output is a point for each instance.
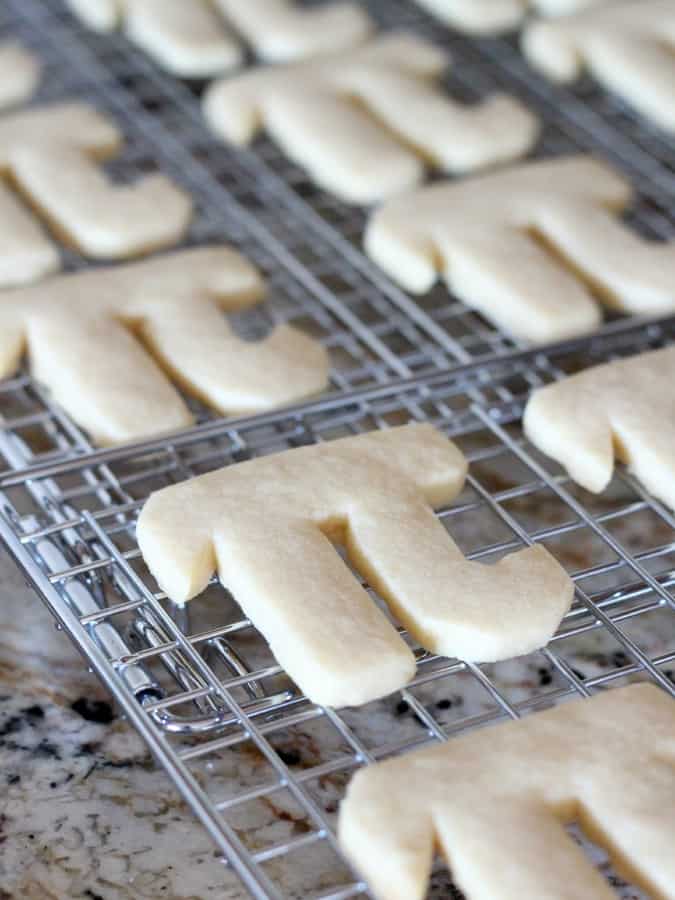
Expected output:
(19, 74)
(195, 38)
(624, 409)
(526, 246)
(52, 154)
(363, 123)
(629, 47)
(104, 341)
(496, 802)
(494, 16)
(267, 526)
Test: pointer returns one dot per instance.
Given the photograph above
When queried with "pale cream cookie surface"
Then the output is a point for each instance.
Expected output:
(26, 252)
(532, 247)
(284, 30)
(19, 74)
(200, 38)
(496, 802)
(106, 342)
(366, 123)
(628, 46)
(375, 494)
(623, 409)
(53, 154)
(495, 16)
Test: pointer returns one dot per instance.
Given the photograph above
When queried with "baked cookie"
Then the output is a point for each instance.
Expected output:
(283, 31)
(364, 123)
(525, 246)
(186, 37)
(105, 340)
(629, 47)
(53, 153)
(199, 38)
(496, 802)
(624, 409)
(375, 494)
(101, 15)
(19, 74)
(495, 16)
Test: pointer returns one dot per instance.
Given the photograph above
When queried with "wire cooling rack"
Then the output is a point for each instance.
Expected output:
(199, 683)
(583, 118)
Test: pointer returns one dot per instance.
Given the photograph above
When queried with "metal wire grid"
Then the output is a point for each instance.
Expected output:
(70, 525)
(69, 520)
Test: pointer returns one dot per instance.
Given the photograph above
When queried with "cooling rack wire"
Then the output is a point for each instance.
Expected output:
(200, 685)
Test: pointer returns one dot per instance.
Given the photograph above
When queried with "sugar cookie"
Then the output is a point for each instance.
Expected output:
(624, 409)
(375, 494)
(629, 47)
(187, 37)
(52, 154)
(19, 74)
(490, 238)
(363, 122)
(495, 16)
(87, 333)
(496, 802)
(282, 31)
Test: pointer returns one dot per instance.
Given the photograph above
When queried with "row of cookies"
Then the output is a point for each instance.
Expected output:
(108, 341)
(536, 249)
(203, 38)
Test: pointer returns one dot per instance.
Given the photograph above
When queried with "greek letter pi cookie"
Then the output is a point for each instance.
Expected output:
(267, 526)
(364, 122)
(496, 802)
(629, 47)
(624, 409)
(524, 245)
(91, 338)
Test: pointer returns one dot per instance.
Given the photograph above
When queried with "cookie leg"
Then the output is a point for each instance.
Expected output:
(102, 376)
(346, 151)
(322, 626)
(452, 606)
(641, 71)
(517, 283)
(195, 342)
(630, 273)
(101, 219)
(517, 852)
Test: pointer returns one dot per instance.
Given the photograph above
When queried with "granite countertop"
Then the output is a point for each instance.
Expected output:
(84, 812)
